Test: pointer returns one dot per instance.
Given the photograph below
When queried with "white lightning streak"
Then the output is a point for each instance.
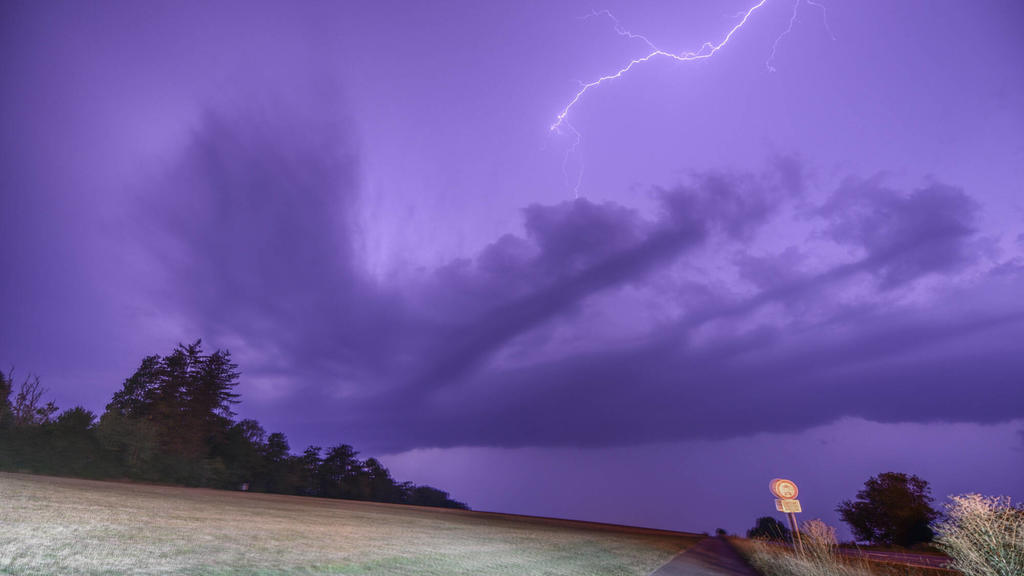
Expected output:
(775, 45)
(619, 29)
(792, 20)
(706, 51)
(565, 161)
(824, 17)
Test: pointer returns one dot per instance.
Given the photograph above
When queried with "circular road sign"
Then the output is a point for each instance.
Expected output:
(784, 489)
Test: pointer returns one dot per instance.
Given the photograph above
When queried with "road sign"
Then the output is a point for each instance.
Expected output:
(785, 492)
(783, 489)
(787, 506)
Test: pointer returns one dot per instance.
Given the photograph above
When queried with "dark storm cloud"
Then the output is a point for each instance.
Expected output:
(262, 230)
(736, 204)
(565, 274)
(258, 216)
(576, 249)
(872, 360)
(905, 369)
(904, 235)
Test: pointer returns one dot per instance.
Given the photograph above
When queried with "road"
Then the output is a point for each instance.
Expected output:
(709, 557)
(926, 560)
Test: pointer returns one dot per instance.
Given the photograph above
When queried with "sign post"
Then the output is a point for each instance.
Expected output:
(785, 492)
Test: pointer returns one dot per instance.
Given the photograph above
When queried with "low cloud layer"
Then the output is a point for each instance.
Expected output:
(904, 235)
(731, 332)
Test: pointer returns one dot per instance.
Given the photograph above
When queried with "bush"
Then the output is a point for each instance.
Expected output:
(768, 528)
(983, 536)
(892, 509)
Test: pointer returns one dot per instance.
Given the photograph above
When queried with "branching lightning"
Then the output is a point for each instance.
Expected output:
(769, 63)
(706, 51)
(619, 29)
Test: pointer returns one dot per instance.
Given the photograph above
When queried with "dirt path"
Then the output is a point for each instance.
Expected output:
(710, 557)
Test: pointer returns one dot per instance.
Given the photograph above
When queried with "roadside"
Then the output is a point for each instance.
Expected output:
(711, 556)
(892, 557)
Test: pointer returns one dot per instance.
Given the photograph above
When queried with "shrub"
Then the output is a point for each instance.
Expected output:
(983, 536)
(769, 528)
(893, 508)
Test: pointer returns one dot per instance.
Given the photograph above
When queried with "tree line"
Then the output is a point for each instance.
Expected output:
(172, 422)
(893, 509)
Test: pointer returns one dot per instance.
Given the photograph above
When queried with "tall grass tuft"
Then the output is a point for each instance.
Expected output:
(819, 558)
(983, 535)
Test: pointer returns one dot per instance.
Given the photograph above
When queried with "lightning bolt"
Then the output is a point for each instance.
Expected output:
(706, 51)
(769, 63)
(565, 161)
(618, 27)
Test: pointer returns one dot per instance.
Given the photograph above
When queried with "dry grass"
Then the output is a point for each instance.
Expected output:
(820, 557)
(984, 536)
(68, 526)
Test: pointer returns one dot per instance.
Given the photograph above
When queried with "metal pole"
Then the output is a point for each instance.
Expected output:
(796, 533)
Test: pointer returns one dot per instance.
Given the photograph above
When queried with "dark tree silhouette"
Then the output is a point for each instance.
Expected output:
(892, 509)
(73, 443)
(171, 421)
(769, 528)
(280, 472)
(380, 486)
(136, 397)
(130, 442)
(309, 471)
(28, 408)
(430, 496)
(185, 399)
(6, 386)
(338, 471)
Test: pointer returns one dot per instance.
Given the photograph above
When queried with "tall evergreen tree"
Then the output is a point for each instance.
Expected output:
(136, 396)
(185, 398)
(209, 396)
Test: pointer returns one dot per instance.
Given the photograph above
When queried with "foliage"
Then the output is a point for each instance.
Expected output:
(984, 536)
(129, 441)
(892, 509)
(769, 528)
(171, 422)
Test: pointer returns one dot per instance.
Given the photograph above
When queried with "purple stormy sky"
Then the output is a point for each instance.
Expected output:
(815, 272)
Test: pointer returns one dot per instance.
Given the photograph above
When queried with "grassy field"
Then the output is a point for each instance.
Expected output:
(69, 526)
